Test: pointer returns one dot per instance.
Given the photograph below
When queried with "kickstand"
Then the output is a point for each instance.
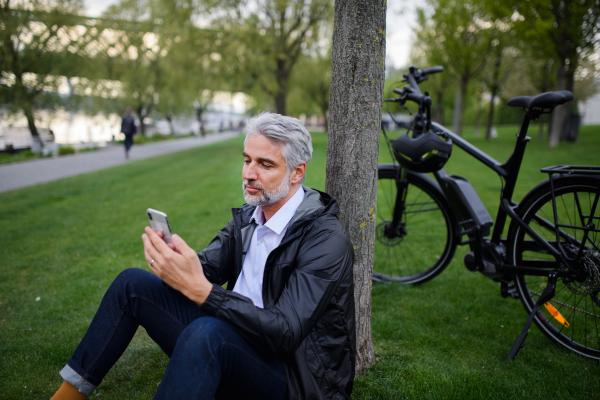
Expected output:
(546, 295)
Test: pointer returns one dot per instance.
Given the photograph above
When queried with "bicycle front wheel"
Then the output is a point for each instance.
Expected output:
(577, 324)
(424, 242)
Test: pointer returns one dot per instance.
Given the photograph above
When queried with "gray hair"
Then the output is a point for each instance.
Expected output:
(287, 132)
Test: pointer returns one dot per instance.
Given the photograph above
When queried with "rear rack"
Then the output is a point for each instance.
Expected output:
(573, 169)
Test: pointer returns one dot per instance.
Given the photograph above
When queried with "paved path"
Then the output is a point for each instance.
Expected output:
(28, 173)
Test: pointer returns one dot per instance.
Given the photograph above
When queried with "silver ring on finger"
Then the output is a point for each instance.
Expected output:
(152, 262)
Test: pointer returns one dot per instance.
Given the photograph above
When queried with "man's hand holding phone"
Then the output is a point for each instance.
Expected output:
(176, 264)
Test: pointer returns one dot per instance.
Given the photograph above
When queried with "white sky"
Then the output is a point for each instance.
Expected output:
(401, 21)
(400, 24)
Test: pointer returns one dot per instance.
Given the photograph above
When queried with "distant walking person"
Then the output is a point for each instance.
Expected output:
(129, 129)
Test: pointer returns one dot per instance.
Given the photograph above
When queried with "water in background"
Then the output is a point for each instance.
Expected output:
(70, 128)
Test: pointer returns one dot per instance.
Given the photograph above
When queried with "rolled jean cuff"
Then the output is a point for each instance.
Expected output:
(83, 386)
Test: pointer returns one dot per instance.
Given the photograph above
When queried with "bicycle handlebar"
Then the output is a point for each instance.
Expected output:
(432, 70)
(408, 94)
(413, 92)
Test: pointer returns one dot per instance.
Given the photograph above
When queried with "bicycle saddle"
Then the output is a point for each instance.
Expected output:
(541, 101)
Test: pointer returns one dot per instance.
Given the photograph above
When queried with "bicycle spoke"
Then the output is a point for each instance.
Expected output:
(420, 244)
(575, 295)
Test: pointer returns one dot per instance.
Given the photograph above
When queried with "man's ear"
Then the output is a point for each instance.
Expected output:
(298, 173)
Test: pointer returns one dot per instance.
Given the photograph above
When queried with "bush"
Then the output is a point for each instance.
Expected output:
(64, 150)
(6, 158)
(88, 149)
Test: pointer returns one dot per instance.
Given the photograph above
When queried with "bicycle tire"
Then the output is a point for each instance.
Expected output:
(577, 302)
(429, 242)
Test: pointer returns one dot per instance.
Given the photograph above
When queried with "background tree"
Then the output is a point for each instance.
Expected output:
(263, 40)
(188, 75)
(500, 63)
(35, 47)
(310, 86)
(355, 98)
(456, 35)
(567, 31)
(425, 53)
(148, 48)
(530, 74)
(134, 55)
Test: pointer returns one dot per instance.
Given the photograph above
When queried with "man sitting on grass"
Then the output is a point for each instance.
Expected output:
(283, 328)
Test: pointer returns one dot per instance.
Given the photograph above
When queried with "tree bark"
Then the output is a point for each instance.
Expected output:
(541, 127)
(478, 117)
(28, 111)
(355, 98)
(140, 113)
(456, 111)
(283, 76)
(26, 105)
(169, 117)
(562, 114)
(438, 111)
(495, 88)
(280, 103)
(490, 118)
(459, 110)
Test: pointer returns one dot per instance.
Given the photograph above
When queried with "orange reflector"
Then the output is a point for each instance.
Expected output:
(556, 314)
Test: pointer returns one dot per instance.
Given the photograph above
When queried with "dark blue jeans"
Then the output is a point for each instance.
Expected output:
(208, 357)
(128, 141)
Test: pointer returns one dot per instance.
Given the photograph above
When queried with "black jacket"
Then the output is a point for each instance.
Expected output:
(128, 125)
(308, 295)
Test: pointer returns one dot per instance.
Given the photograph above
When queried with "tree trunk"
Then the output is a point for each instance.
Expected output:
(541, 128)
(26, 101)
(324, 101)
(355, 98)
(460, 106)
(478, 117)
(557, 121)
(456, 110)
(490, 119)
(28, 111)
(199, 111)
(280, 103)
(495, 88)
(325, 111)
(283, 76)
(438, 111)
(169, 117)
(562, 114)
(140, 113)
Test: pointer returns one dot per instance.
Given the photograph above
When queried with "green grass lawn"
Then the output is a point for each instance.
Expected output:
(64, 242)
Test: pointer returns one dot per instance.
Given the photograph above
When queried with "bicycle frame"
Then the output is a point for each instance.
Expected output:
(509, 171)
(466, 204)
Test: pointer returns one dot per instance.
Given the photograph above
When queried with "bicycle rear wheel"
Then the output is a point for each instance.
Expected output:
(577, 326)
(425, 242)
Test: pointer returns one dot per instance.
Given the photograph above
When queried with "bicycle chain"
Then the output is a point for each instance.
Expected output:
(566, 305)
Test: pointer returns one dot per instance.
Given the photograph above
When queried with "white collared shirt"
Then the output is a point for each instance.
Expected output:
(265, 238)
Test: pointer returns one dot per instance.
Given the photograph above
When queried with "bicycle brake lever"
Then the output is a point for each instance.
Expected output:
(406, 108)
(441, 133)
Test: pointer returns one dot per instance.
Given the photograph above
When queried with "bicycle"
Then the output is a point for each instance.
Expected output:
(551, 253)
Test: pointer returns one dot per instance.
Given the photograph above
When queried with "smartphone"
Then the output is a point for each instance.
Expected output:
(159, 222)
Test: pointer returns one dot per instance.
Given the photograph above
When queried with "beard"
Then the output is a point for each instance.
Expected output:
(267, 197)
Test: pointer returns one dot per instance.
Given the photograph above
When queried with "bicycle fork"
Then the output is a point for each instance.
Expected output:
(396, 228)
